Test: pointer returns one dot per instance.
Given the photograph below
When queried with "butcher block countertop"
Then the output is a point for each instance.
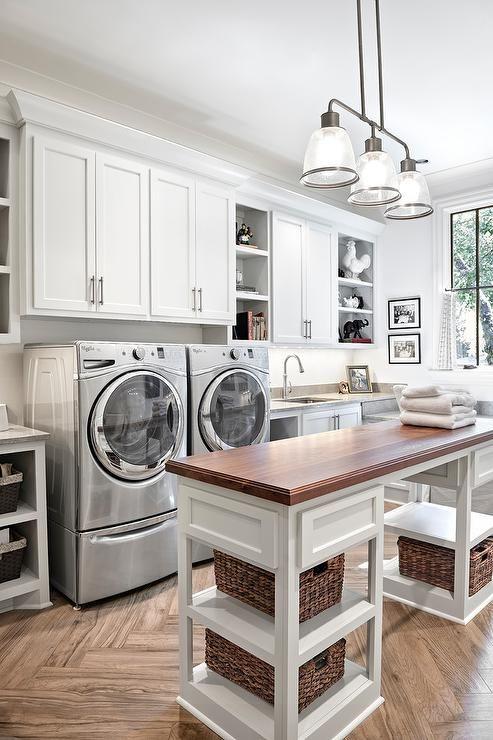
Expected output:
(291, 471)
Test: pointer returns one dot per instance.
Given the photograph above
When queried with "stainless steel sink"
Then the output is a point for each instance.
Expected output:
(309, 399)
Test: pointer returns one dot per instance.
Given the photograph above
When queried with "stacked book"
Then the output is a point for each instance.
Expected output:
(250, 326)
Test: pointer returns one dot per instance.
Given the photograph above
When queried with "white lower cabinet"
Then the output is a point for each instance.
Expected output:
(325, 420)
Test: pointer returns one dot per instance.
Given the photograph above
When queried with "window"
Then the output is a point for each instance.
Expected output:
(472, 281)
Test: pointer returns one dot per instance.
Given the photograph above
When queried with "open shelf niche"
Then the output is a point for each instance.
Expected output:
(252, 270)
(358, 284)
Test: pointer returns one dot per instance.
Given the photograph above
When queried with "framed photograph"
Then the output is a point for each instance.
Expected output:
(404, 349)
(405, 313)
(358, 377)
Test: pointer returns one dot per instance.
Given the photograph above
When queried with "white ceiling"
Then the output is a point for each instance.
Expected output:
(257, 74)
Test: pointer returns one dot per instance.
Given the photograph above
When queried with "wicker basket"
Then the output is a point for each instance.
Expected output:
(11, 555)
(9, 492)
(256, 676)
(320, 587)
(435, 565)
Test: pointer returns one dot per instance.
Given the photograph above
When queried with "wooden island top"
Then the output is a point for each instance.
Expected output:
(292, 471)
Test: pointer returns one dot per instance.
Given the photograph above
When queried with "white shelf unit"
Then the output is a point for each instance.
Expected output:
(9, 313)
(362, 287)
(225, 520)
(31, 590)
(254, 265)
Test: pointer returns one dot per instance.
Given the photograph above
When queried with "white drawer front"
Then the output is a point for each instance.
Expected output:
(330, 529)
(245, 530)
(482, 466)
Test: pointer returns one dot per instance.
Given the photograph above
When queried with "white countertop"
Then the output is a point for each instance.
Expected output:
(328, 400)
(16, 433)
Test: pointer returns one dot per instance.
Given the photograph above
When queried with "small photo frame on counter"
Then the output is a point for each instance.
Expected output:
(405, 349)
(405, 313)
(358, 378)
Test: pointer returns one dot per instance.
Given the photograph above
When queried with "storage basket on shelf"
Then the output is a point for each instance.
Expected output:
(320, 587)
(435, 565)
(9, 491)
(237, 665)
(11, 555)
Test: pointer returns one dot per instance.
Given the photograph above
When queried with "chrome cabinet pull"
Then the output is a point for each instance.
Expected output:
(305, 333)
(200, 299)
(194, 293)
(310, 335)
(92, 283)
(101, 294)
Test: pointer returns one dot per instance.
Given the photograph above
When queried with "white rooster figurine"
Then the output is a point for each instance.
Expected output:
(354, 266)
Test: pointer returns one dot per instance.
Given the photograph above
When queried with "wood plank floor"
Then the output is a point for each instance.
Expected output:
(111, 670)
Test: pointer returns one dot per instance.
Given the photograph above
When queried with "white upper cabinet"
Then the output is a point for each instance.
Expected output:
(172, 244)
(122, 236)
(64, 269)
(215, 239)
(288, 270)
(319, 258)
(303, 281)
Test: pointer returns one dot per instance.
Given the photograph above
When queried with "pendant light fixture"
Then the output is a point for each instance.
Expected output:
(329, 159)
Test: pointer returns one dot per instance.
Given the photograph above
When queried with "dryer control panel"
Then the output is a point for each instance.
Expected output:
(94, 356)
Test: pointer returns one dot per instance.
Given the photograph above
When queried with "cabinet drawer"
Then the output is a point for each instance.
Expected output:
(482, 468)
(247, 531)
(328, 530)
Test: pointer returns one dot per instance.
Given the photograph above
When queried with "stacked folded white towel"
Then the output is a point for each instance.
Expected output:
(434, 406)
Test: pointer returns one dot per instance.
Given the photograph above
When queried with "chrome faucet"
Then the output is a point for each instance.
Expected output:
(287, 387)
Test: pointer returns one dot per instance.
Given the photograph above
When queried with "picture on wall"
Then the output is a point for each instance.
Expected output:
(404, 349)
(358, 379)
(405, 313)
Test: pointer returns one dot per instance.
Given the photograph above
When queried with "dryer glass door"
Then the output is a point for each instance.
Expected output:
(137, 425)
(234, 411)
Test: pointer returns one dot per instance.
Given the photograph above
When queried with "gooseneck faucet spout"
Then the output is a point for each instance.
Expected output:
(286, 387)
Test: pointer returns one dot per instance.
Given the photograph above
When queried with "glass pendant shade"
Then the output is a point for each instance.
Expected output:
(329, 158)
(377, 184)
(415, 201)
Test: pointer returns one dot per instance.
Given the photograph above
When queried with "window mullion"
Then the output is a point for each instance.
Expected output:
(477, 286)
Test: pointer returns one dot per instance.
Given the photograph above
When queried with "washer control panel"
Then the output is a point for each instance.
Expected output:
(139, 353)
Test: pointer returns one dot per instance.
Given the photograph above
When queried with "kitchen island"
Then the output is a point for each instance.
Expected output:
(290, 505)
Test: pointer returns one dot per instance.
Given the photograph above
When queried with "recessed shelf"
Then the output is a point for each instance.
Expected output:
(24, 513)
(435, 524)
(250, 252)
(27, 582)
(240, 296)
(343, 309)
(352, 281)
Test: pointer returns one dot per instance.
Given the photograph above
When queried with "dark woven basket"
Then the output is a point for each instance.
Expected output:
(320, 587)
(315, 676)
(9, 492)
(435, 565)
(11, 555)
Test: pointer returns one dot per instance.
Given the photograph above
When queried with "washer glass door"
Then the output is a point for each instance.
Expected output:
(137, 425)
(233, 411)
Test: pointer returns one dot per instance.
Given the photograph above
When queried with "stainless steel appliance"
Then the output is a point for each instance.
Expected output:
(228, 397)
(116, 412)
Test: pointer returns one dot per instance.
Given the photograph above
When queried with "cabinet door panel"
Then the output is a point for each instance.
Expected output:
(289, 279)
(63, 225)
(172, 244)
(122, 235)
(214, 230)
(319, 284)
(348, 417)
(318, 421)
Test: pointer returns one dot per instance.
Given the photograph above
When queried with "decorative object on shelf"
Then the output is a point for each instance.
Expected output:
(344, 387)
(354, 328)
(10, 483)
(353, 265)
(330, 163)
(353, 301)
(4, 419)
(405, 313)
(405, 349)
(246, 288)
(358, 378)
(340, 273)
(239, 276)
(244, 235)
(11, 556)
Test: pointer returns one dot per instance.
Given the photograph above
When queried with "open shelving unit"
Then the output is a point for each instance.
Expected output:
(9, 317)
(362, 286)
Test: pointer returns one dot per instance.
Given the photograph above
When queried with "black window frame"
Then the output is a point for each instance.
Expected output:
(478, 287)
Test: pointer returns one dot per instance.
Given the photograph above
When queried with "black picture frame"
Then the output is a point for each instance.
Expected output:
(403, 327)
(393, 338)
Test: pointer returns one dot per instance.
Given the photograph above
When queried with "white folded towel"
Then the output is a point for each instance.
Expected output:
(448, 403)
(422, 391)
(443, 421)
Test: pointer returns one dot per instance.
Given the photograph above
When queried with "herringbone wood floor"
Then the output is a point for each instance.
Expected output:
(110, 671)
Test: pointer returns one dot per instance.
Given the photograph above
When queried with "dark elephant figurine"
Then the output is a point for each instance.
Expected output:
(354, 328)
